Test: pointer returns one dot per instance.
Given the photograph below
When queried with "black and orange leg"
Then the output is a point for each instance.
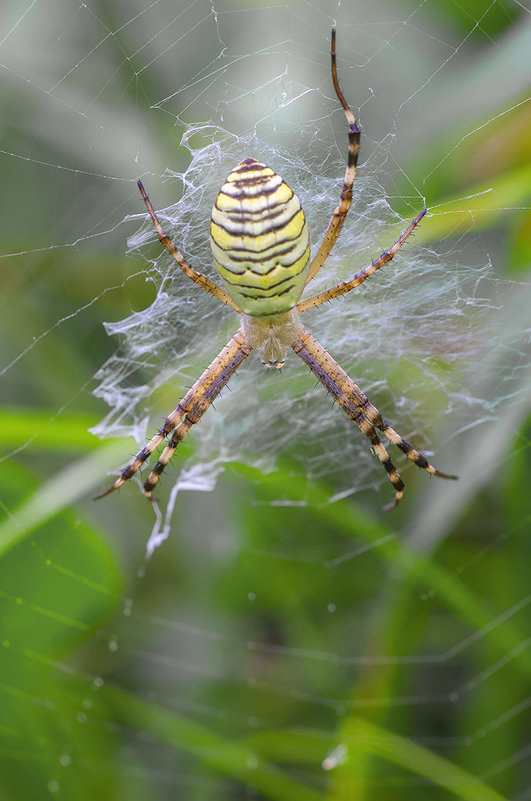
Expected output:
(373, 415)
(201, 280)
(339, 385)
(356, 405)
(359, 278)
(340, 212)
(189, 411)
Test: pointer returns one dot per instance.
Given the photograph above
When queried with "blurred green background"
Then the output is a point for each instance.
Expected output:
(309, 650)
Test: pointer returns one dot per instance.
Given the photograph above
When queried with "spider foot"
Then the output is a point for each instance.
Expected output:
(398, 497)
(435, 472)
(118, 483)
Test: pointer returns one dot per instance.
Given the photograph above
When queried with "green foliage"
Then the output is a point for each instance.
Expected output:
(57, 587)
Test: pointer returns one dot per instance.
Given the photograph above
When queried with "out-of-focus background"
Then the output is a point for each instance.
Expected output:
(288, 639)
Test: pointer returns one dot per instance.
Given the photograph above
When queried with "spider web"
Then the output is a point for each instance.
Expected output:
(251, 103)
(178, 94)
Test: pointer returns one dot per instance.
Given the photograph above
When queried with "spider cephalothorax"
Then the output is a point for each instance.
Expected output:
(261, 248)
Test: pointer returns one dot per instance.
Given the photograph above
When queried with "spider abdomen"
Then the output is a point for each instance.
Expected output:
(260, 240)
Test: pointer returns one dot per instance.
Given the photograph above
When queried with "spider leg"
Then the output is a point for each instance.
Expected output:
(340, 386)
(340, 212)
(355, 404)
(189, 411)
(359, 278)
(373, 415)
(375, 418)
(201, 280)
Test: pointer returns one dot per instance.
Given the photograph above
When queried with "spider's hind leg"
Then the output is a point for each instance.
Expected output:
(355, 404)
(143, 455)
(373, 415)
(189, 411)
(177, 437)
(381, 452)
(343, 390)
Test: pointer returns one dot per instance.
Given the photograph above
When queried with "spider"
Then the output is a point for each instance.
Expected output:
(261, 249)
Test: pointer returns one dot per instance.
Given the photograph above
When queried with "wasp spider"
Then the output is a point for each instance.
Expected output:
(261, 248)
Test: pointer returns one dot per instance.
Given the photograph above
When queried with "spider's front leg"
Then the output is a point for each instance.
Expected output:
(358, 408)
(340, 212)
(189, 411)
(201, 280)
(345, 286)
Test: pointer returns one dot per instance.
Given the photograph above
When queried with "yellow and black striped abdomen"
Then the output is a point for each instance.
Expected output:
(260, 240)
